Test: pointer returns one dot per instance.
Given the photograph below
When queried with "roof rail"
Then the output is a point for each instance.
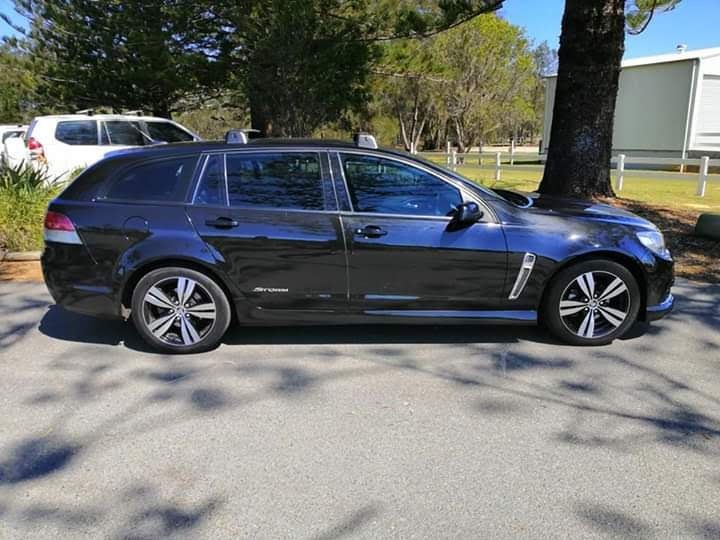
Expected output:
(239, 136)
(135, 113)
(365, 140)
(89, 112)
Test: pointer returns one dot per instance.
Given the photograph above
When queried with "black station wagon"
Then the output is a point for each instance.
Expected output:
(185, 238)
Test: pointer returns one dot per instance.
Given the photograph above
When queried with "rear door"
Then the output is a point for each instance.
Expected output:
(272, 221)
(401, 254)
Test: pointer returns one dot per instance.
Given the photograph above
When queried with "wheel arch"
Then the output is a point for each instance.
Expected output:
(629, 262)
(138, 273)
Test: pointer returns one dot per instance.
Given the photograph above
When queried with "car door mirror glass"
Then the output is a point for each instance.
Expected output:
(465, 214)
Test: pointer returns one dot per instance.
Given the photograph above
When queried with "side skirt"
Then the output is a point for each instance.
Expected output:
(265, 317)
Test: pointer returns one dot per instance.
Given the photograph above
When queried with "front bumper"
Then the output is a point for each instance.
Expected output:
(658, 311)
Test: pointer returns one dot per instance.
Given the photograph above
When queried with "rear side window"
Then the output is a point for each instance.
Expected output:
(211, 189)
(167, 132)
(160, 181)
(120, 132)
(289, 180)
(77, 132)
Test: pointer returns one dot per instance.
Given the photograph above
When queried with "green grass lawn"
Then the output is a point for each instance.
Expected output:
(645, 186)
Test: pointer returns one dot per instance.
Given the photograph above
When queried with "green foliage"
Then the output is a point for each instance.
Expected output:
(21, 218)
(473, 83)
(25, 177)
(305, 66)
(212, 120)
(639, 13)
(112, 53)
(24, 196)
(297, 64)
(17, 86)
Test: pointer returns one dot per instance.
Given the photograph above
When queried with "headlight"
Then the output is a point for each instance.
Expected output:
(654, 241)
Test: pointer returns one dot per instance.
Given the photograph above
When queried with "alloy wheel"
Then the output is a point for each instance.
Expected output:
(179, 311)
(594, 304)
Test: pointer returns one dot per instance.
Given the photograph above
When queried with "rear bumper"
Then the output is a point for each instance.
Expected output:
(76, 282)
(658, 311)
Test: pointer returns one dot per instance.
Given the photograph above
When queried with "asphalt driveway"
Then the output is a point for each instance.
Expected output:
(462, 432)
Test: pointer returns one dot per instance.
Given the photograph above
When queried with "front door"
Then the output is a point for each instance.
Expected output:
(273, 224)
(401, 254)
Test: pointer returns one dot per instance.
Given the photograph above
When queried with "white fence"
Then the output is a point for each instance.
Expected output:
(498, 161)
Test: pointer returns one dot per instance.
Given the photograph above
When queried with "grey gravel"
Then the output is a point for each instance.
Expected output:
(370, 432)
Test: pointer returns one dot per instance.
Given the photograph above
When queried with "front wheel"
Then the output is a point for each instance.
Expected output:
(591, 303)
(180, 310)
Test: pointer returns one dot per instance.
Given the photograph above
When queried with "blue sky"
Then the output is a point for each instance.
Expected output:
(694, 22)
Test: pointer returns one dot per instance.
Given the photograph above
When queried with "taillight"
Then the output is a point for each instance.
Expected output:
(59, 228)
(34, 144)
(56, 221)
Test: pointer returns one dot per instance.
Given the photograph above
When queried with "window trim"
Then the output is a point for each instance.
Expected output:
(465, 194)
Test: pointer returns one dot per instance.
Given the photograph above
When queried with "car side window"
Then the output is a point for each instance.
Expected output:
(383, 186)
(122, 132)
(158, 181)
(77, 132)
(211, 188)
(282, 180)
(167, 132)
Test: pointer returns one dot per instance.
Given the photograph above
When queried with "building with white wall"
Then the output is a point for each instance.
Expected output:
(667, 106)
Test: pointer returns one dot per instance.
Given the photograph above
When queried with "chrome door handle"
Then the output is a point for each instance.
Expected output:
(222, 223)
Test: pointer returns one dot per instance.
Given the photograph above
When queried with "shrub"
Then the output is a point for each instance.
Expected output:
(24, 196)
(22, 213)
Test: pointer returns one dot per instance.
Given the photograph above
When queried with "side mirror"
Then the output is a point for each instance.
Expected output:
(464, 215)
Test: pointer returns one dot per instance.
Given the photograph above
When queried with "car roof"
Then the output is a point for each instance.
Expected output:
(101, 117)
(171, 149)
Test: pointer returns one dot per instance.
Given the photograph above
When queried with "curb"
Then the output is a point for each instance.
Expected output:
(20, 256)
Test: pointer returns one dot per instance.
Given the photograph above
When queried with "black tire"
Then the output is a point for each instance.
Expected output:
(196, 325)
(591, 321)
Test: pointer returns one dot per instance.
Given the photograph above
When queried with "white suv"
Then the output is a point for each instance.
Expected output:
(65, 143)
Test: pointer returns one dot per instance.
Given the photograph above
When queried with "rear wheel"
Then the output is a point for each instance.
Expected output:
(591, 303)
(180, 310)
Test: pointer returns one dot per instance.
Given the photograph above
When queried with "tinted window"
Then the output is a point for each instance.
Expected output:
(157, 181)
(167, 132)
(77, 132)
(388, 187)
(275, 180)
(121, 132)
(211, 189)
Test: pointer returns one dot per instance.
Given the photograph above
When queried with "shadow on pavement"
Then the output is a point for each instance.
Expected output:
(60, 324)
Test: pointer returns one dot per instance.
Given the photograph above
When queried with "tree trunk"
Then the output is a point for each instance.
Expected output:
(591, 48)
(162, 110)
(259, 117)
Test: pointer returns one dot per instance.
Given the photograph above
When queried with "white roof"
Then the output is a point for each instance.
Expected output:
(101, 117)
(672, 57)
(698, 54)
